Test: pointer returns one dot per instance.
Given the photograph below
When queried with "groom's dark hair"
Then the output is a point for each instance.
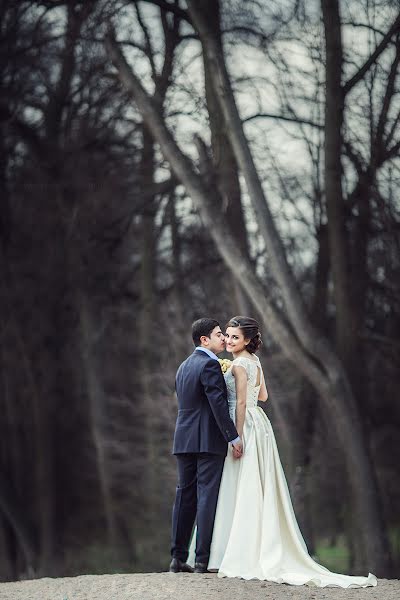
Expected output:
(203, 327)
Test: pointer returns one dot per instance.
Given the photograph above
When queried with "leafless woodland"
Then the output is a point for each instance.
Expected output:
(164, 160)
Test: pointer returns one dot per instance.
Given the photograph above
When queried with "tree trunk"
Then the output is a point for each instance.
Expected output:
(40, 438)
(146, 325)
(97, 418)
(307, 410)
(349, 314)
(359, 258)
(278, 263)
(179, 303)
(224, 161)
(18, 525)
(339, 247)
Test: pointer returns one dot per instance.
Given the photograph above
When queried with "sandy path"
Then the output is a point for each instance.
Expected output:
(181, 586)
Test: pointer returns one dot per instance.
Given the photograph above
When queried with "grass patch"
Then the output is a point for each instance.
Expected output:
(335, 558)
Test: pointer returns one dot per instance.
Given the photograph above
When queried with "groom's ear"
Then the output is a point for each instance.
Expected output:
(204, 340)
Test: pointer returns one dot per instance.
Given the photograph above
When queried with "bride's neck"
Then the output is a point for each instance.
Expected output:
(241, 353)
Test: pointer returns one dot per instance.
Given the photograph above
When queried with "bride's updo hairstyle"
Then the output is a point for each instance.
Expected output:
(250, 329)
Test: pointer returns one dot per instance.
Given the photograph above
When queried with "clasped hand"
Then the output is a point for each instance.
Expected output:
(237, 450)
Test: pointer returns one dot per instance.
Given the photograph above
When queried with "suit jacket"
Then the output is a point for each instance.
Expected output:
(203, 423)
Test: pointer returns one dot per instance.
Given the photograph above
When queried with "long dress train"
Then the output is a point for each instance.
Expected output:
(256, 535)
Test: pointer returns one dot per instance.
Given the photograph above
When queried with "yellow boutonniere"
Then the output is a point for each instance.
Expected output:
(225, 364)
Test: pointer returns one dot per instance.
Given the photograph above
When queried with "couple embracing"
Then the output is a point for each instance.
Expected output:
(232, 491)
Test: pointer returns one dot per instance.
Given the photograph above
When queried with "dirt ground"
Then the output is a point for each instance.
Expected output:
(182, 586)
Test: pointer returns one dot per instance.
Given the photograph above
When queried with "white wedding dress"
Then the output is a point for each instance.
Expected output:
(256, 535)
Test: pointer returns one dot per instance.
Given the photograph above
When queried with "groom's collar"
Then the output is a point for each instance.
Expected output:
(209, 352)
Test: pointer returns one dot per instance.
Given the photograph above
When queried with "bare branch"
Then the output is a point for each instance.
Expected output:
(393, 129)
(172, 39)
(392, 152)
(373, 58)
(148, 47)
(297, 120)
(387, 99)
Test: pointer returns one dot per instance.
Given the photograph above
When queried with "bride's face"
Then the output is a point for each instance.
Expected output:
(235, 340)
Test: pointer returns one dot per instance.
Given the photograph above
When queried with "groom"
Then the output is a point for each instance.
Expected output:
(203, 430)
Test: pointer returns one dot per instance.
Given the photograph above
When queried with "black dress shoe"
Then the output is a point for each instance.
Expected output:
(200, 567)
(177, 566)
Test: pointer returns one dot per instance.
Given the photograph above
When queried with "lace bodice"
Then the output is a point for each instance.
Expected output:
(253, 367)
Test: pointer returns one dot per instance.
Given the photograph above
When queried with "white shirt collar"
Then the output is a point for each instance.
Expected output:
(207, 351)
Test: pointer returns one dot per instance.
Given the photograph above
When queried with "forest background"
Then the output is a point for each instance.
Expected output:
(162, 161)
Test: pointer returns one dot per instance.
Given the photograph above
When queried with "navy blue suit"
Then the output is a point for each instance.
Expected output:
(203, 430)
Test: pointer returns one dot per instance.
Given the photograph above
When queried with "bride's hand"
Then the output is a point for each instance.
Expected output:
(237, 450)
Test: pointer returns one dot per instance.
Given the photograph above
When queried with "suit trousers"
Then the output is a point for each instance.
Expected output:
(199, 478)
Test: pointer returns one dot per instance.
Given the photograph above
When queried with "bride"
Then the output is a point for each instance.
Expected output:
(256, 535)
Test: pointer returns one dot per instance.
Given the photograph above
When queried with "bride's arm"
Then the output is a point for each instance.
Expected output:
(263, 393)
(240, 376)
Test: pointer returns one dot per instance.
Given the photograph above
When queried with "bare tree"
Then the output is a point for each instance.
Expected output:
(307, 347)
